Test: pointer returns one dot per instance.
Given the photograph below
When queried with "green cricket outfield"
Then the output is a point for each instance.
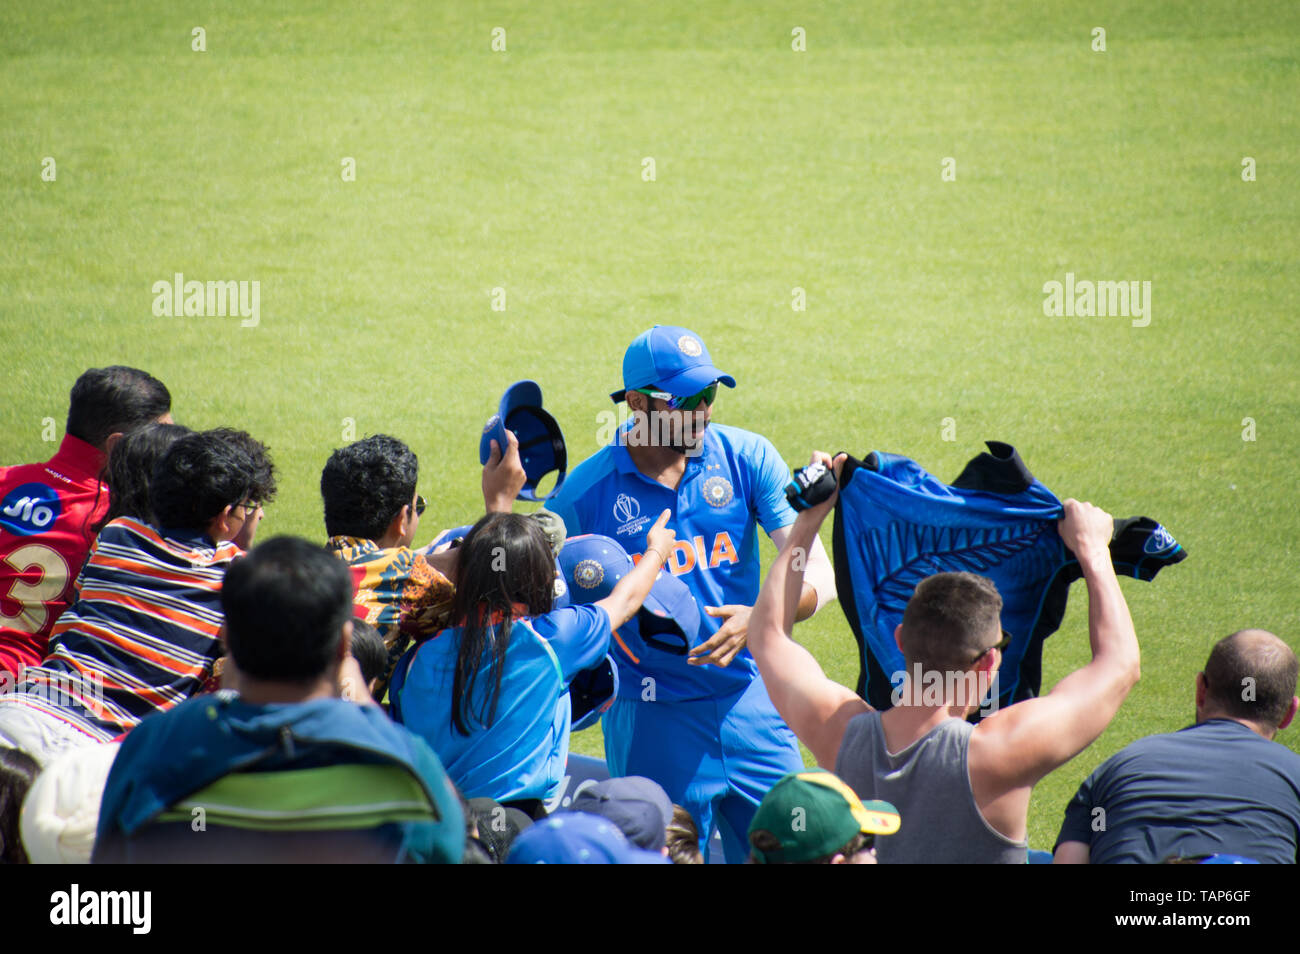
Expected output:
(860, 207)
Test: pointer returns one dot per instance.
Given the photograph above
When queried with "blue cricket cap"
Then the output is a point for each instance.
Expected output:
(668, 620)
(671, 359)
(449, 536)
(541, 445)
(576, 838)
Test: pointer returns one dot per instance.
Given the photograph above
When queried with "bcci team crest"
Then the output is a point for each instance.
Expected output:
(588, 574)
(492, 422)
(689, 346)
(717, 492)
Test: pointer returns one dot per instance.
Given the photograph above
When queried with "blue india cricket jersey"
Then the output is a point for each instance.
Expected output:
(734, 486)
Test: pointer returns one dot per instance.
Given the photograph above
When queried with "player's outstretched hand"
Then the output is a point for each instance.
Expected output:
(721, 648)
(1086, 529)
(503, 476)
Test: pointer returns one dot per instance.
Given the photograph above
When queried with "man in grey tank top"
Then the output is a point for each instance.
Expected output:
(961, 790)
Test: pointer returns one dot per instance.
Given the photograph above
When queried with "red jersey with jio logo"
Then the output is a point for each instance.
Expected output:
(46, 512)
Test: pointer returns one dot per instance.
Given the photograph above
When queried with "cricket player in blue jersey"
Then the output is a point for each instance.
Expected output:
(698, 721)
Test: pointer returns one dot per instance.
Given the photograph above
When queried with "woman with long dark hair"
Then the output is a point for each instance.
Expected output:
(490, 695)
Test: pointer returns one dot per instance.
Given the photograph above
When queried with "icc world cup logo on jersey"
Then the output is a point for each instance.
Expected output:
(717, 491)
(626, 508)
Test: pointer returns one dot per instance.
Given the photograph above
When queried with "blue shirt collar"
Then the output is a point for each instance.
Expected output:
(625, 465)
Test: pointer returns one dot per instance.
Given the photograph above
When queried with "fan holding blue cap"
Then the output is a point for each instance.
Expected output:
(492, 693)
(541, 444)
(669, 619)
(667, 622)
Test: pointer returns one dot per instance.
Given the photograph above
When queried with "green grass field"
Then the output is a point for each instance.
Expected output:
(774, 169)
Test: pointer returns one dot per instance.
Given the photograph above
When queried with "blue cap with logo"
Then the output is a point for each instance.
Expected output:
(672, 359)
(668, 620)
(541, 445)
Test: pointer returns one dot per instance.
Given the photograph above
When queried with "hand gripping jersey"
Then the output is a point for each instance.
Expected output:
(46, 511)
(896, 524)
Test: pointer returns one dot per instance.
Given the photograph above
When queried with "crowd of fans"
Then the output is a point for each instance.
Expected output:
(171, 691)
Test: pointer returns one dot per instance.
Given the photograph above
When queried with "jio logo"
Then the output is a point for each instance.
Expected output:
(29, 509)
(626, 508)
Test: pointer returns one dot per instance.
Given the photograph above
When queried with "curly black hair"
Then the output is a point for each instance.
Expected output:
(202, 474)
(366, 484)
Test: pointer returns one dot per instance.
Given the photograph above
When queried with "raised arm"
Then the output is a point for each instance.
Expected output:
(818, 575)
(1022, 743)
(632, 590)
(815, 707)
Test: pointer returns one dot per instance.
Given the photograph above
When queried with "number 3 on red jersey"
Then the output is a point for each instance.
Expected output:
(33, 596)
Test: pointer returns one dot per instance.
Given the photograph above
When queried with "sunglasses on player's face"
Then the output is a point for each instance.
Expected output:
(419, 505)
(690, 403)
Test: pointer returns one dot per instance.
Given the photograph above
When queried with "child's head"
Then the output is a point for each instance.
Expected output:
(207, 475)
(369, 651)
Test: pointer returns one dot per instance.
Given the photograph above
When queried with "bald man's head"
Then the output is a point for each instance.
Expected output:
(1251, 675)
